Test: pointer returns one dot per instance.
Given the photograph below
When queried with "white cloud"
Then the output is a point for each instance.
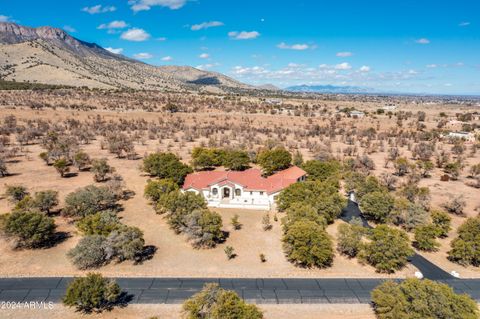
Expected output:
(412, 72)
(69, 29)
(99, 9)
(167, 58)
(431, 66)
(135, 34)
(144, 5)
(4, 18)
(162, 39)
(244, 35)
(115, 51)
(343, 66)
(365, 69)
(255, 70)
(204, 56)
(206, 66)
(297, 47)
(423, 41)
(206, 25)
(464, 24)
(116, 24)
(143, 56)
(344, 54)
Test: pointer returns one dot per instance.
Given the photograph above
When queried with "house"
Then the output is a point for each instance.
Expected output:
(466, 136)
(246, 189)
(357, 114)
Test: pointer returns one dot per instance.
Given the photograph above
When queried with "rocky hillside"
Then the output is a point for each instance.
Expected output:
(50, 55)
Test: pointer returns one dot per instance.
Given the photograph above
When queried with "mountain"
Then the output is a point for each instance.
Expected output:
(52, 56)
(328, 89)
(268, 87)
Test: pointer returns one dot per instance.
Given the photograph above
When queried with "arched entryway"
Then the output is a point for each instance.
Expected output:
(226, 192)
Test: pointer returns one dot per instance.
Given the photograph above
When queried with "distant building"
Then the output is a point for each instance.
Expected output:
(274, 101)
(247, 189)
(467, 136)
(357, 114)
(390, 107)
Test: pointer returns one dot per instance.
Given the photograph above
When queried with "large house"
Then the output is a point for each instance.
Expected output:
(246, 189)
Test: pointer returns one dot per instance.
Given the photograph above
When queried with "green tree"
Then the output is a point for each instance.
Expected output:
(466, 247)
(322, 170)
(124, 243)
(92, 293)
(81, 160)
(298, 211)
(377, 206)
(156, 189)
(236, 160)
(418, 299)
(425, 238)
(204, 228)
(90, 252)
(45, 200)
(307, 244)
(213, 302)
(101, 223)
(166, 165)
(29, 229)
(349, 239)
(274, 160)
(89, 200)
(387, 250)
(442, 222)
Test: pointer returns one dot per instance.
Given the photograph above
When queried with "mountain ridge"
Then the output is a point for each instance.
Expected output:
(52, 56)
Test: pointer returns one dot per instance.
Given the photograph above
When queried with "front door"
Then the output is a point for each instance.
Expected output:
(226, 192)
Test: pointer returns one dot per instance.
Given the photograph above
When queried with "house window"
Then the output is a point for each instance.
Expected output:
(238, 192)
(215, 191)
(261, 193)
(251, 193)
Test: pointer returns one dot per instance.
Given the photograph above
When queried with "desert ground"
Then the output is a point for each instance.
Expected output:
(238, 124)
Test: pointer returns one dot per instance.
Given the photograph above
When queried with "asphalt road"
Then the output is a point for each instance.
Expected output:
(259, 291)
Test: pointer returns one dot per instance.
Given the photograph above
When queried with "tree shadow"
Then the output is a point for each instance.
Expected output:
(123, 300)
(58, 238)
(147, 254)
(70, 175)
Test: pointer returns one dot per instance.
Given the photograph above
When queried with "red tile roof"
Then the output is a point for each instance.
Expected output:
(250, 179)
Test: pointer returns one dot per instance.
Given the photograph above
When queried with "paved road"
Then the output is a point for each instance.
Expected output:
(427, 268)
(176, 290)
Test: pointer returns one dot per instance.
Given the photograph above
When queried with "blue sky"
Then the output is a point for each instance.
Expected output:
(421, 46)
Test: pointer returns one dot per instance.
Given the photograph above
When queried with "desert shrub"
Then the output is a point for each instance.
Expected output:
(29, 229)
(415, 194)
(274, 160)
(407, 214)
(204, 228)
(16, 192)
(45, 200)
(62, 166)
(213, 302)
(229, 252)
(387, 250)
(166, 165)
(235, 222)
(377, 206)
(466, 246)
(453, 170)
(362, 184)
(124, 243)
(89, 252)
(101, 169)
(3, 168)
(414, 298)
(456, 205)
(442, 222)
(101, 223)
(349, 239)
(322, 170)
(298, 211)
(307, 244)
(402, 166)
(92, 293)
(425, 238)
(119, 144)
(89, 200)
(81, 160)
(155, 189)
